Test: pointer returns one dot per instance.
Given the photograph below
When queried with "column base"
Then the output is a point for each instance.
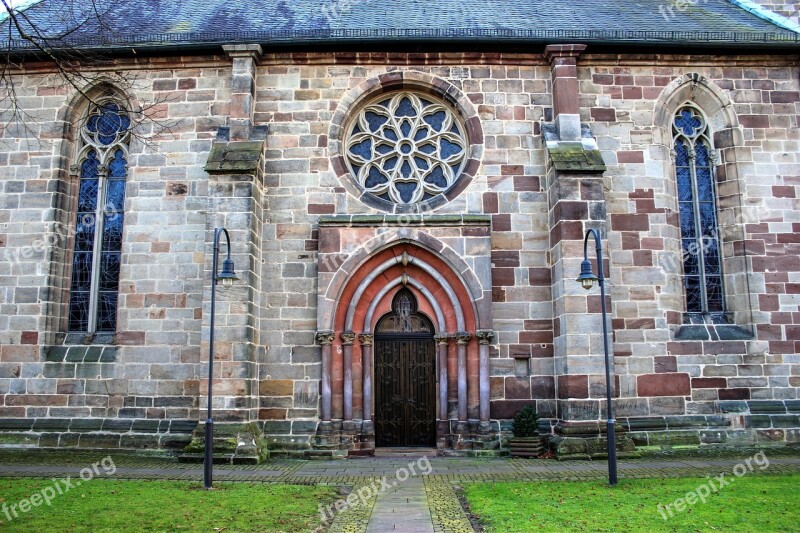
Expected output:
(471, 438)
(234, 443)
(338, 439)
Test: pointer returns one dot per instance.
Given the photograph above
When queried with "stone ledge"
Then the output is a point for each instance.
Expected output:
(236, 157)
(585, 448)
(579, 156)
(573, 157)
(95, 433)
(404, 220)
(107, 425)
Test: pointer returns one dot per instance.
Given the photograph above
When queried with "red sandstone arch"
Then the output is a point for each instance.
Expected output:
(464, 299)
(435, 286)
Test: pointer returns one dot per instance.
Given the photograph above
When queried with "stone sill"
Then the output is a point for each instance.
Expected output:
(405, 220)
(95, 353)
(712, 332)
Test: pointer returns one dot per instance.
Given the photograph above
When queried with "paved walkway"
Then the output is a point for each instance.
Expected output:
(403, 494)
(404, 507)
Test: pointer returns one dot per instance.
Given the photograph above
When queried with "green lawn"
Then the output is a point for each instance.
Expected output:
(138, 506)
(749, 503)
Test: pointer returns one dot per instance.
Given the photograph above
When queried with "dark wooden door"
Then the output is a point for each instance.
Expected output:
(405, 382)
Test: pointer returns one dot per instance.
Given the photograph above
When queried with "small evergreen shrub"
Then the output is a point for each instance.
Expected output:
(526, 423)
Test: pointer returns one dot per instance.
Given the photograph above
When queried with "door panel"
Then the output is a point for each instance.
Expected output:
(405, 379)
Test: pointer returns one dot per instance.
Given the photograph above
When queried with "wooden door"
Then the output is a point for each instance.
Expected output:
(405, 376)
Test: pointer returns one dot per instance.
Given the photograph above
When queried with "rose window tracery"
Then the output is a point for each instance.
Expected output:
(406, 148)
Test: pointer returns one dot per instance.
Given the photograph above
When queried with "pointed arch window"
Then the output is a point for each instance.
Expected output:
(103, 169)
(700, 239)
(405, 316)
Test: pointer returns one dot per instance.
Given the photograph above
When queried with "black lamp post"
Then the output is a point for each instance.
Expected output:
(227, 276)
(587, 280)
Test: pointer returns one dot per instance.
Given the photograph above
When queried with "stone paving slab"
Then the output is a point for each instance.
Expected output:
(403, 507)
(357, 470)
(421, 503)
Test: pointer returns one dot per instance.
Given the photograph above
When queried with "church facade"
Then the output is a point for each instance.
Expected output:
(407, 227)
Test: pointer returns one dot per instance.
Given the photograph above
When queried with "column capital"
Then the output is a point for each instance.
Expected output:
(366, 339)
(348, 337)
(442, 339)
(484, 336)
(325, 337)
(462, 337)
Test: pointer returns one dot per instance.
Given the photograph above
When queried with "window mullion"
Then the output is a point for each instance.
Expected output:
(701, 261)
(94, 294)
(717, 236)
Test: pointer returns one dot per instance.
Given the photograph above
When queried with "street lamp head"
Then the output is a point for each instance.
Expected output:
(587, 277)
(227, 276)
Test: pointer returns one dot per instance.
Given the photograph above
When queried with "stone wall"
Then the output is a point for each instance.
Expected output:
(155, 367)
(751, 108)
(151, 370)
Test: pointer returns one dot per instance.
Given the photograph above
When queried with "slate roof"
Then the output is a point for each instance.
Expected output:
(181, 23)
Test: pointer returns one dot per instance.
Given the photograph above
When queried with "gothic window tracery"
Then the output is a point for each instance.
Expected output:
(700, 239)
(103, 168)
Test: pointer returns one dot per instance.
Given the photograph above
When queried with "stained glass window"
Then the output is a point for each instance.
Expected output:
(406, 148)
(103, 168)
(702, 255)
(405, 317)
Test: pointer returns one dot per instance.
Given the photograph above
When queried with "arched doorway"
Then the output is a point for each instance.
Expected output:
(405, 376)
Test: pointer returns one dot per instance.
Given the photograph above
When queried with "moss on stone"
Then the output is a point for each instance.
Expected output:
(239, 157)
(574, 157)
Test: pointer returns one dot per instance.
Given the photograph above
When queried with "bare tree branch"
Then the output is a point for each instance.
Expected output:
(67, 67)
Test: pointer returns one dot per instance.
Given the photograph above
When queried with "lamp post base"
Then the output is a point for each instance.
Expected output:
(209, 455)
(612, 453)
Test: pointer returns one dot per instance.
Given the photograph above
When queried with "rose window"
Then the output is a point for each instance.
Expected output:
(406, 148)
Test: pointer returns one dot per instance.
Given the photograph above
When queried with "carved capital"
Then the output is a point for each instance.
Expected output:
(484, 336)
(365, 339)
(442, 339)
(462, 337)
(348, 337)
(325, 337)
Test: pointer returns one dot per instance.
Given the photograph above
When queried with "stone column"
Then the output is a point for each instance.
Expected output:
(442, 341)
(366, 367)
(484, 338)
(576, 201)
(235, 201)
(325, 338)
(348, 337)
(243, 88)
(462, 339)
(566, 112)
